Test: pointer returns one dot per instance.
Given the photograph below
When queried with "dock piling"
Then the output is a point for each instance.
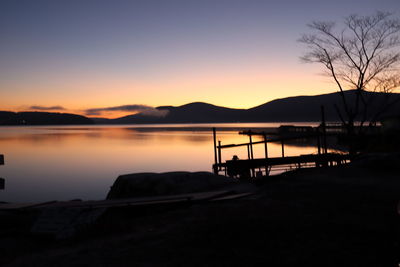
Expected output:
(219, 152)
(215, 150)
(251, 147)
(323, 124)
(265, 146)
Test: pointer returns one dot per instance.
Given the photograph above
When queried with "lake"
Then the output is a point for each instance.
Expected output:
(45, 163)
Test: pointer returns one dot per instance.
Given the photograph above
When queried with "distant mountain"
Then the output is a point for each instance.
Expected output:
(41, 118)
(290, 109)
(308, 108)
(197, 112)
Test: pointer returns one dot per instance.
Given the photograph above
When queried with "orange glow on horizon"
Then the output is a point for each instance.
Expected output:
(241, 89)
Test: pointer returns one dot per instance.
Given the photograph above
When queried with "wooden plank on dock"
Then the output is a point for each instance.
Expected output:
(243, 167)
(288, 160)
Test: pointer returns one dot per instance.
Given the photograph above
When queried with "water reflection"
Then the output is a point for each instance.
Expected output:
(47, 163)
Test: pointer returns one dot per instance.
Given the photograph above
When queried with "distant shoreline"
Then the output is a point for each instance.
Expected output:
(174, 126)
(291, 109)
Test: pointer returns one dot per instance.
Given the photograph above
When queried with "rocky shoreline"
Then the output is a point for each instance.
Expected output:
(342, 216)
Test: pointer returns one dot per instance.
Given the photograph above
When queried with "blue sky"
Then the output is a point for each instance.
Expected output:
(96, 53)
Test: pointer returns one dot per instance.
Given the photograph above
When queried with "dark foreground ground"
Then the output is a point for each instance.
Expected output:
(343, 216)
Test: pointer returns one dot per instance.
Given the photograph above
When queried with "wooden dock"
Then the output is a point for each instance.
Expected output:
(259, 167)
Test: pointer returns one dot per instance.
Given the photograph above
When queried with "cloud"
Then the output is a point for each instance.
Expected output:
(143, 109)
(43, 108)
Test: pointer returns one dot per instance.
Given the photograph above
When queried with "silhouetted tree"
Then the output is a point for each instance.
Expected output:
(362, 54)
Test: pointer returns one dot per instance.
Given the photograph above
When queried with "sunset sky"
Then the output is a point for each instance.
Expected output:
(74, 55)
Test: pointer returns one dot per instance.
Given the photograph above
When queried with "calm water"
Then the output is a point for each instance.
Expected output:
(68, 162)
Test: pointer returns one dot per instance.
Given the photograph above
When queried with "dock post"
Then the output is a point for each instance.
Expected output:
(219, 152)
(266, 153)
(265, 146)
(317, 164)
(253, 171)
(323, 124)
(249, 157)
(215, 150)
(251, 147)
(283, 149)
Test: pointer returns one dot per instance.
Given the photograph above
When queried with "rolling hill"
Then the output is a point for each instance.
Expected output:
(290, 109)
(42, 118)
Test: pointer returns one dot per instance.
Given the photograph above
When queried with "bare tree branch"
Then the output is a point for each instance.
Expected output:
(361, 54)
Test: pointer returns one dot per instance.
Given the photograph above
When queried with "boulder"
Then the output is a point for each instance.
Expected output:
(169, 183)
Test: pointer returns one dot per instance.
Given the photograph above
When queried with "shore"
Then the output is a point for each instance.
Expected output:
(342, 216)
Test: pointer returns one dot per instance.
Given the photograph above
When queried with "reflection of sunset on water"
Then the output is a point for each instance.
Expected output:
(45, 163)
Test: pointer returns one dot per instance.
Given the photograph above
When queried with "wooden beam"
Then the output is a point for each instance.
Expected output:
(215, 149)
(1, 159)
(251, 147)
(272, 140)
(310, 158)
(219, 152)
(324, 129)
(266, 146)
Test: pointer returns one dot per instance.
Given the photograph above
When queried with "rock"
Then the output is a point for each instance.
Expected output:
(169, 183)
